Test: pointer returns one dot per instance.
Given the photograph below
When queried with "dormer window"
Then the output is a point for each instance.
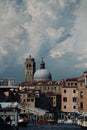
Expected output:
(57, 83)
(50, 82)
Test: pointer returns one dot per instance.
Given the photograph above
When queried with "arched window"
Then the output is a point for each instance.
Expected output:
(50, 82)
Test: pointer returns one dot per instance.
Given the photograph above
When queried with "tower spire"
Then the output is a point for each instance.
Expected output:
(42, 64)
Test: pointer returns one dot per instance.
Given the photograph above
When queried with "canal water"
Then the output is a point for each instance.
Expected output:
(52, 127)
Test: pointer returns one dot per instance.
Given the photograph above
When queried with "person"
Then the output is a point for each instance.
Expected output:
(9, 96)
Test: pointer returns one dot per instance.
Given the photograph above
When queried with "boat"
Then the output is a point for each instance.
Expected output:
(46, 119)
(22, 122)
(82, 120)
(68, 121)
(59, 121)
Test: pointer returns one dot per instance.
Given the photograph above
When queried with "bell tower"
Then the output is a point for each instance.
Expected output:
(30, 67)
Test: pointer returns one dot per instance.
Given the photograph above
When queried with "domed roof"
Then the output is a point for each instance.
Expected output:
(42, 74)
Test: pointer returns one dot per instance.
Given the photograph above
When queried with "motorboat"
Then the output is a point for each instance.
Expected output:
(82, 120)
(68, 121)
(60, 121)
(46, 119)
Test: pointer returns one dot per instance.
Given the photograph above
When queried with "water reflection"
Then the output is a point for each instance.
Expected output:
(52, 127)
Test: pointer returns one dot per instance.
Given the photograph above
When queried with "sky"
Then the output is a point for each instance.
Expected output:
(53, 29)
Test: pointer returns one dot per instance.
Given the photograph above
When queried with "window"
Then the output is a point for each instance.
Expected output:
(74, 107)
(28, 100)
(64, 107)
(65, 99)
(71, 84)
(51, 88)
(74, 99)
(55, 88)
(24, 100)
(50, 82)
(30, 65)
(68, 84)
(74, 91)
(81, 105)
(28, 95)
(32, 100)
(75, 84)
(81, 94)
(54, 103)
(54, 97)
(81, 84)
(27, 66)
(64, 90)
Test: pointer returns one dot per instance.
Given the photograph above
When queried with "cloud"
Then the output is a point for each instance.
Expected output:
(54, 29)
(76, 41)
(66, 46)
(80, 34)
(83, 65)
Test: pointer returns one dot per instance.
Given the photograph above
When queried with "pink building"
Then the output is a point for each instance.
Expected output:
(69, 95)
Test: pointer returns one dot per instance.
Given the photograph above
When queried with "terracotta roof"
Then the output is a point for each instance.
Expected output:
(72, 79)
(25, 92)
(51, 94)
(81, 80)
(41, 83)
(85, 72)
(69, 86)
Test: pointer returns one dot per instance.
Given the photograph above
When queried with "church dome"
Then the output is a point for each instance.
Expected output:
(42, 74)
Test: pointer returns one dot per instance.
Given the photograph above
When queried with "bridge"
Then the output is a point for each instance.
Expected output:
(35, 111)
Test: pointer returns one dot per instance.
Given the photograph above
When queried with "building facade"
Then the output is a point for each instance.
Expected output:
(27, 99)
(82, 93)
(69, 96)
(74, 94)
